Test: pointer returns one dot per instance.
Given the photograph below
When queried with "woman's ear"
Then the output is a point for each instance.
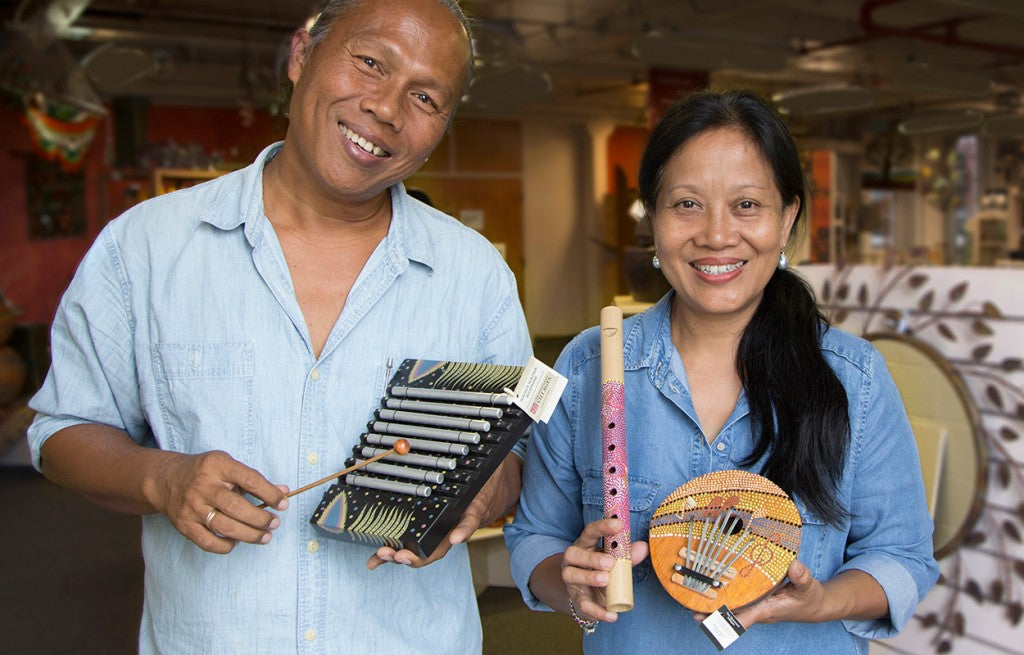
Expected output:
(789, 214)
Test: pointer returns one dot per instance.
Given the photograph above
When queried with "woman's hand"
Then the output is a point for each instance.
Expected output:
(585, 569)
(802, 600)
(851, 595)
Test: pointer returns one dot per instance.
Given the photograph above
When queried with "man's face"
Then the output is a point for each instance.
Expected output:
(373, 99)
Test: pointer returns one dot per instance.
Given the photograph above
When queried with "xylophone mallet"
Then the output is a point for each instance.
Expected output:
(401, 447)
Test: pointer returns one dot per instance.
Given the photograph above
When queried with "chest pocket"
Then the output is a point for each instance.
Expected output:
(642, 493)
(206, 396)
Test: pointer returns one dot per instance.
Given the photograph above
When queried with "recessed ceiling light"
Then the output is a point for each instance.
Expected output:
(1010, 126)
(696, 53)
(941, 122)
(919, 76)
(825, 99)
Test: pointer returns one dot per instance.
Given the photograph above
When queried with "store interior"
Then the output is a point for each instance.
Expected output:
(909, 115)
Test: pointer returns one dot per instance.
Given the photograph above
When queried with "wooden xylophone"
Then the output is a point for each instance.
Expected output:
(460, 424)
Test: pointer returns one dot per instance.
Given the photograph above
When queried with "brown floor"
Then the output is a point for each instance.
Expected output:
(71, 571)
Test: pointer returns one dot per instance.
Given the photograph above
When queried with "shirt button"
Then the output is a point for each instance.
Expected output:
(720, 446)
(310, 635)
(315, 374)
(312, 458)
(312, 545)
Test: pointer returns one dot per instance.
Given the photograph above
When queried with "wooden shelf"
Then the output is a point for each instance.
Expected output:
(166, 180)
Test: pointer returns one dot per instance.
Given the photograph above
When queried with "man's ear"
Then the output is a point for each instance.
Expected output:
(298, 55)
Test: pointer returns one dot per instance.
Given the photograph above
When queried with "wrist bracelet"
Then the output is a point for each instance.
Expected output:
(587, 626)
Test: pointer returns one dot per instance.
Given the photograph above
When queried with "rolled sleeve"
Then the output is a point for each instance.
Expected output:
(530, 552)
(92, 378)
(550, 516)
(901, 591)
(890, 535)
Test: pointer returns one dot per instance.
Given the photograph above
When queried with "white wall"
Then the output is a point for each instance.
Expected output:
(558, 268)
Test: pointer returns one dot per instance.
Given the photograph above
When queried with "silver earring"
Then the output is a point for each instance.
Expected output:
(783, 261)
(655, 262)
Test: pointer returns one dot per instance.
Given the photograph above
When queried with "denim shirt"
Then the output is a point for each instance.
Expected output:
(181, 327)
(888, 534)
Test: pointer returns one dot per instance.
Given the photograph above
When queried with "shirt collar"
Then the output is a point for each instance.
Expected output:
(643, 345)
(408, 238)
(648, 344)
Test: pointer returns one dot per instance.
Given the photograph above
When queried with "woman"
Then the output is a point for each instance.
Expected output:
(733, 368)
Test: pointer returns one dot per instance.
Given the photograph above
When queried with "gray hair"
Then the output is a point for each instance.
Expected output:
(330, 10)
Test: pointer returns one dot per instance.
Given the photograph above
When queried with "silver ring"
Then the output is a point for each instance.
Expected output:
(209, 518)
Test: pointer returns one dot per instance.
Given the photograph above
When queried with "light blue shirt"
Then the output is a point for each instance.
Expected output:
(181, 327)
(889, 534)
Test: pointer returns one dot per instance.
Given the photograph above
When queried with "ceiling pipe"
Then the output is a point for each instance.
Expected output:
(943, 32)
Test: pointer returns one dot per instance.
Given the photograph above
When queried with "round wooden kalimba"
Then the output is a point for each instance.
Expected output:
(725, 538)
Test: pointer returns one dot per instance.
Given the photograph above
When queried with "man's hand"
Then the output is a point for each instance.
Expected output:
(202, 496)
(496, 498)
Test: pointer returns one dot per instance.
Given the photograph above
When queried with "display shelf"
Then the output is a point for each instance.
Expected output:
(166, 180)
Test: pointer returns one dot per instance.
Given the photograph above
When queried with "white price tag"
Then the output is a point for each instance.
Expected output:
(722, 627)
(538, 390)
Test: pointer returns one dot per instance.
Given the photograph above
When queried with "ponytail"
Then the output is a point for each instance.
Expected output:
(799, 411)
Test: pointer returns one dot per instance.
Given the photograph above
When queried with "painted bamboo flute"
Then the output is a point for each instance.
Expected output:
(619, 593)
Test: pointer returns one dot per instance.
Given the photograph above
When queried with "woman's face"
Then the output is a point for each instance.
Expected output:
(720, 224)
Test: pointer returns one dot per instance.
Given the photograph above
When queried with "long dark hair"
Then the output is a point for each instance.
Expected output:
(798, 406)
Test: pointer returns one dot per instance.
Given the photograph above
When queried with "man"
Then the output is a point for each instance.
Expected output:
(233, 338)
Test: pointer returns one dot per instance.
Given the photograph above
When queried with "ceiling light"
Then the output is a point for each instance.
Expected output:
(941, 122)
(995, 6)
(1009, 126)
(824, 99)
(696, 53)
(919, 76)
(507, 86)
(112, 67)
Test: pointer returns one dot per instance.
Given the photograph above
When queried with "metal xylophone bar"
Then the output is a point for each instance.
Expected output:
(430, 461)
(452, 395)
(451, 409)
(426, 430)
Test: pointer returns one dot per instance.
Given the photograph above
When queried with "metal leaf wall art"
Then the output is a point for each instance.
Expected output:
(952, 317)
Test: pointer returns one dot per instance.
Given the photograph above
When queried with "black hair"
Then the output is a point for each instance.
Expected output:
(420, 194)
(798, 406)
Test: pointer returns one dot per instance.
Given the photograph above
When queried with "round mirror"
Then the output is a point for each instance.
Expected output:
(954, 457)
